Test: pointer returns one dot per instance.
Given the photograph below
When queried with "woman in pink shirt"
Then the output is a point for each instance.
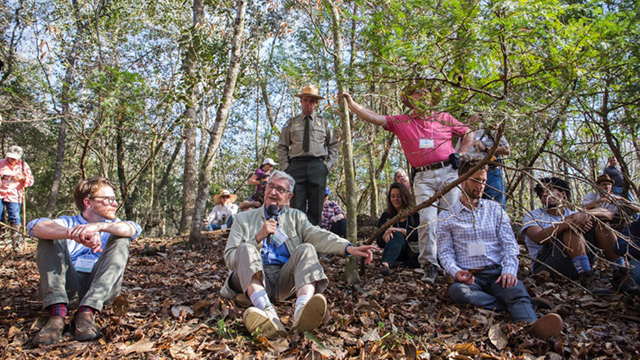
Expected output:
(16, 175)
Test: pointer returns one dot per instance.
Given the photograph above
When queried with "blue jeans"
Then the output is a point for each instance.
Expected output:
(212, 227)
(13, 212)
(486, 293)
(396, 249)
(494, 189)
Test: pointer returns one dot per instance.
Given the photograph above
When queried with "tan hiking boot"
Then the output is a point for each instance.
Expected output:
(547, 326)
(267, 322)
(311, 315)
(51, 332)
(86, 328)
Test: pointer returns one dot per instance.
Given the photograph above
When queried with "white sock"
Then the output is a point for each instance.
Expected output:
(260, 299)
(301, 301)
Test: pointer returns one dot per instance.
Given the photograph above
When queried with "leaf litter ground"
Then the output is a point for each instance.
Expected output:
(170, 308)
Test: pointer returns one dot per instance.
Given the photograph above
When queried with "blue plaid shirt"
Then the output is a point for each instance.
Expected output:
(489, 224)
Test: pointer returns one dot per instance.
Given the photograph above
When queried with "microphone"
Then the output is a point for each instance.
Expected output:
(272, 211)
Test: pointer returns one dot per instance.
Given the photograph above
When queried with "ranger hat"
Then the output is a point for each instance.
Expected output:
(310, 90)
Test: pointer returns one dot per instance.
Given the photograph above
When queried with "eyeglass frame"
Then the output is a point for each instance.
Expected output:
(279, 189)
(111, 200)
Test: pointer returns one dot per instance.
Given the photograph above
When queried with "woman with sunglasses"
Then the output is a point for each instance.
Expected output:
(224, 209)
(400, 241)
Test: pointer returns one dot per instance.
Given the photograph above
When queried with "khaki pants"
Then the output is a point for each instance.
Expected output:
(61, 283)
(425, 185)
(281, 282)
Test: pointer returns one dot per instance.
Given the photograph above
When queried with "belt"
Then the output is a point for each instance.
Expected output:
(433, 166)
(307, 158)
(490, 267)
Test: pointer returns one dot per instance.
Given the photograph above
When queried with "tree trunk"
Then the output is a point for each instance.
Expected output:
(66, 113)
(222, 116)
(189, 185)
(372, 175)
(351, 270)
(122, 174)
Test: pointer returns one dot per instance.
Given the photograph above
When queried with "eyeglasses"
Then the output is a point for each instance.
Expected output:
(279, 189)
(225, 196)
(112, 200)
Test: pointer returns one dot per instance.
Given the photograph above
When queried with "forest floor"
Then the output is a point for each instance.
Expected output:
(170, 307)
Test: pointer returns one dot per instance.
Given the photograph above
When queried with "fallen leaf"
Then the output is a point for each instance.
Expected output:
(182, 350)
(371, 335)
(497, 337)
(139, 347)
(178, 311)
(466, 349)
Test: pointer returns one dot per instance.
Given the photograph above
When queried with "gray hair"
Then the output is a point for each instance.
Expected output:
(277, 174)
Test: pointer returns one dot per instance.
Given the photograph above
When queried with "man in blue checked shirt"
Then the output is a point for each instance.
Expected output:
(83, 258)
(478, 248)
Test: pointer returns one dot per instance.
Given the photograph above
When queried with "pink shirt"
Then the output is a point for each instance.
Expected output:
(11, 191)
(426, 140)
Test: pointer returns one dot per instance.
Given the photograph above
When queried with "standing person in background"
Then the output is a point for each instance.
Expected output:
(264, 169)
(16, 175)
(425, 136)
(401, 177)
(615, 175)
(308, 149)
(483, 141)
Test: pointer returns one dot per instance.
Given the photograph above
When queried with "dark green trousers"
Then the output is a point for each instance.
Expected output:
(310, 175)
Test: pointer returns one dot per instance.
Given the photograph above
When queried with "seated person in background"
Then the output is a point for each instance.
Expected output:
(401, 177)
(556, 235)
(333, 218)
(224, 209)
(256, 199)
(81, 258)
(264, 169)
(400, 241)
(620, 208)
(477, 247)
(628, 244)
(271, 255)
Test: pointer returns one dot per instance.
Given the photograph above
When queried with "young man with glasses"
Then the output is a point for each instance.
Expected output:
(272, 255)
(81, 258)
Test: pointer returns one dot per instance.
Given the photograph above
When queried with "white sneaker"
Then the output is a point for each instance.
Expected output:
(269, 324)
(311, 315)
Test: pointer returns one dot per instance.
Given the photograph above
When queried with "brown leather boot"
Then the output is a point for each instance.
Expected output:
(86, 329)
(51, 332)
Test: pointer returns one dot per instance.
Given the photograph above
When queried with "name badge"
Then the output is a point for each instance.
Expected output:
(476, 249)
(280, 237)
(85, 263)
(426, 143)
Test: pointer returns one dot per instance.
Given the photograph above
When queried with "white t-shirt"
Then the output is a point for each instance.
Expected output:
(594, 196)
(220, 213)
(540, 217)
